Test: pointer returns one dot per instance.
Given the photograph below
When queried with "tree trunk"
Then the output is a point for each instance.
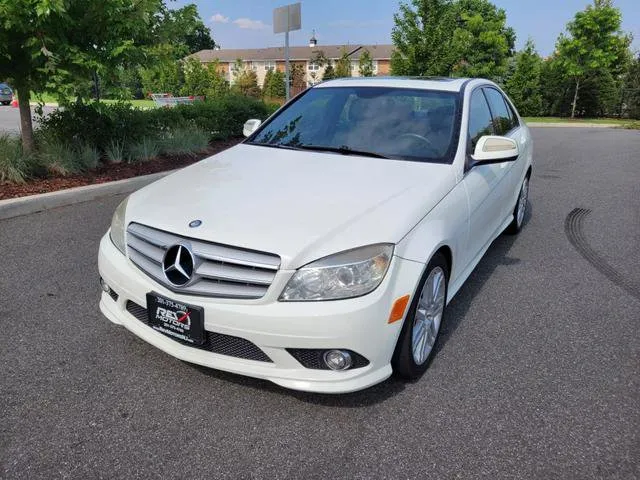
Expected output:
(26, 125)
(96, 86)
(575, 99)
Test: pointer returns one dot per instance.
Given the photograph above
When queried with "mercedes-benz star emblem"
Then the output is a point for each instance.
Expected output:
(195, 223)
(178, 265)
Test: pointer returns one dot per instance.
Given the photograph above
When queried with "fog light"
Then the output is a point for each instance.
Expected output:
(337, 359)
(105, 287)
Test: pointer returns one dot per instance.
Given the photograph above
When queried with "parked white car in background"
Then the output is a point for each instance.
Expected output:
(320, 253)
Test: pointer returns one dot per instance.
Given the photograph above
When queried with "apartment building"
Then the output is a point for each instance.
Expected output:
(261, 60)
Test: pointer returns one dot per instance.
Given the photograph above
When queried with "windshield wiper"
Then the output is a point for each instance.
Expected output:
(344, 150)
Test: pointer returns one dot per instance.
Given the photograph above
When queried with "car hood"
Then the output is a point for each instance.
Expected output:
(300, 205)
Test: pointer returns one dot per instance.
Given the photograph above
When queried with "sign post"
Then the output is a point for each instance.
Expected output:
(287, 19)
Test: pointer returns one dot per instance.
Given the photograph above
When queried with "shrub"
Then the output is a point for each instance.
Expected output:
(97, 124)
(115, 151)
(146, 149)
(185, 141)
(14, 165)
(58, 158)
(88, 157)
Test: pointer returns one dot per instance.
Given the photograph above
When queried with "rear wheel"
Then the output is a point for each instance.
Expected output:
(6, 103)
(521, 208)
(421, 330)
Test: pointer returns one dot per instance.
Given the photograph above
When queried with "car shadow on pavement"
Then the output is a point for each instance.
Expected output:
(497, 255)
(364, 398)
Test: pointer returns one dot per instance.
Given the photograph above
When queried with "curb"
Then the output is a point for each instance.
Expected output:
(15, 207)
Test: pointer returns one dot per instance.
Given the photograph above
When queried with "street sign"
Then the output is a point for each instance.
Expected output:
(287, 18)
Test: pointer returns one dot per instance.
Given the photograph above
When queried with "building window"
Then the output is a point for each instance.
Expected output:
(313, 67)
(270, 65)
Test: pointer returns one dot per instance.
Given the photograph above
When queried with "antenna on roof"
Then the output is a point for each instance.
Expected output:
(313, 41)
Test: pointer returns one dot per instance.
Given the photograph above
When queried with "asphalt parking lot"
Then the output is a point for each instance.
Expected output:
(10, 118)
(538, 373)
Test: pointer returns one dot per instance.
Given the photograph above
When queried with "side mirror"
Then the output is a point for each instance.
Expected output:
(251, 126)
(494, 149)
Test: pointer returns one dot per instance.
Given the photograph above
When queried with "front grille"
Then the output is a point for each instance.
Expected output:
(313, 358)
(219, 270)
(215, 342)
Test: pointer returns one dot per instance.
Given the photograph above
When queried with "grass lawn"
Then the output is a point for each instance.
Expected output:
(617, 121)
(47, 98)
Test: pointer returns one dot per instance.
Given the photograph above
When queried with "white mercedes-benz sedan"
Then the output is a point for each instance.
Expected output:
(320, 253)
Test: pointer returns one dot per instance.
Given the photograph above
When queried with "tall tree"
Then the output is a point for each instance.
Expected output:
(594, 42)
(451, 37)
(523, 85)
(48, 44)
(365, 64)
(423, 38)
(631, 97)
(343, 65)
(183, 28)
(329, 72)
(482, 41)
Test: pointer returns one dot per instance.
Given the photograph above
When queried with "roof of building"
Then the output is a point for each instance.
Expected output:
(426, 83)
(378, 52)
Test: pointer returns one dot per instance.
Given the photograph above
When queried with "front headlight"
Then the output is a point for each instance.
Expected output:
(344, 275)
(117, 226)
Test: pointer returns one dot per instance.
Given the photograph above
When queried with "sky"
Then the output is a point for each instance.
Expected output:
(248, 23)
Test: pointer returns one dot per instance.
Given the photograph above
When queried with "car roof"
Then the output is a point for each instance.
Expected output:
(427, 83)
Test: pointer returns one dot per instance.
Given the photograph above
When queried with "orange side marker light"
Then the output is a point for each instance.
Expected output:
(399, 306)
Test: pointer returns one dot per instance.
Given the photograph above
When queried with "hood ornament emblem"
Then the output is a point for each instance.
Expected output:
(195, 223)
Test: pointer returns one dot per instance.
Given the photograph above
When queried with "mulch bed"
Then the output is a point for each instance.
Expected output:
(111, 172)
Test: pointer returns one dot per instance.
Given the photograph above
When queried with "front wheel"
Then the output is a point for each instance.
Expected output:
(520, 210)
(6, 103)
(421, 330)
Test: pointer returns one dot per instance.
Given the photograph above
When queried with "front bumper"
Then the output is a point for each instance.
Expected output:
(358, 324)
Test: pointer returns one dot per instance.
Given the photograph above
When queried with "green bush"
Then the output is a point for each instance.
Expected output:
(14, 165)
(185, 141)
(88, 157)
(146, 149)
(97, 124)
(115, 151)
(57, 158)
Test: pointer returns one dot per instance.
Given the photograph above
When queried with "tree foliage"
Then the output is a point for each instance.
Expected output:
(365, 64)
(631, 97)
(274, 84)
(451, 38)
(523, 84)
(594, 47)
(343, 65)
(481, 40)
(423, 38)
(329, 72)
(49, 44)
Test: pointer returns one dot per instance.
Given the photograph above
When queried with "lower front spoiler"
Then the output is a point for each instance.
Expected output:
(318, 381)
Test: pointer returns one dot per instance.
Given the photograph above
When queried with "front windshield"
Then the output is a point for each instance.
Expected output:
(411, 124)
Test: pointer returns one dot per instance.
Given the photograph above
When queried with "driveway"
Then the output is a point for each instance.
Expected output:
(10, 118)
(538, 373)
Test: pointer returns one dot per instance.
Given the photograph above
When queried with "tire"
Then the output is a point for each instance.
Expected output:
(6, 103)
(520, 210)
(406, 362)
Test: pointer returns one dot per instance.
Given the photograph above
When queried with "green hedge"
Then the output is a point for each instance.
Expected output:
(99, 124)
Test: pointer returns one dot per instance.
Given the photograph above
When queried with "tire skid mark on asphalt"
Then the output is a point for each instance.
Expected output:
(574, 231)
